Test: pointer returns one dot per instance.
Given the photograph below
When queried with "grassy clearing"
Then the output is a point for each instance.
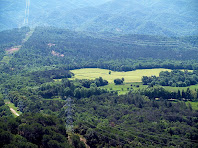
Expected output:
(169, 88)
(194, 105)
(28, 35)
(130, 76)
(124, 88)
(6, 59)
(11, 105)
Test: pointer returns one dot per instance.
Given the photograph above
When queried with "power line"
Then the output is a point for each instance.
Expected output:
(27, 12)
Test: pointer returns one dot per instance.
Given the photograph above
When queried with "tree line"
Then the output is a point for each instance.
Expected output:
(175, 78)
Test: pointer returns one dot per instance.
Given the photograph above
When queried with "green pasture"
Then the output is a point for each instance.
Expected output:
(130, 76)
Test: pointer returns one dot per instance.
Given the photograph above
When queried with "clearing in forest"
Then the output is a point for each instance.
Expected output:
(130, 76)
(13, 108)
(9, 52)
(13, 49)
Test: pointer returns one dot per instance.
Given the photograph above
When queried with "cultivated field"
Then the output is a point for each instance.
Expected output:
(130, 76)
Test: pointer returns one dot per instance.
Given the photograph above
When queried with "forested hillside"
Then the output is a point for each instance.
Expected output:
(64, 48)
(98, 74)
(175, 18)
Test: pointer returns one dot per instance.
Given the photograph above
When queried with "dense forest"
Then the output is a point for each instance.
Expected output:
(72, 50)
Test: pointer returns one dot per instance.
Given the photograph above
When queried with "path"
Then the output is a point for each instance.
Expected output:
(11, 109)
(84, 141)
(14, 112)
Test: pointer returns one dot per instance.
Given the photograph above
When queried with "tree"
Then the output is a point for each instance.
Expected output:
(76, 142)
(6, 137)
(118, 81)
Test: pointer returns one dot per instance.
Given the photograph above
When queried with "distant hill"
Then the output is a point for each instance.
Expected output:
(149, 17)
(49, 46)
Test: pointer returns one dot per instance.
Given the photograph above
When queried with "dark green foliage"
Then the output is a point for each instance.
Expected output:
(175, 78)
(132, 119)
(33, 131)
(97, 82)
(4, 110)
(6, 137)
(47, 46)
(49, 75)
(118, 81)
(161, 93)
(76, 142)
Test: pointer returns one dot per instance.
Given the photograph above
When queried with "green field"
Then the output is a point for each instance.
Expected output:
(130, 76)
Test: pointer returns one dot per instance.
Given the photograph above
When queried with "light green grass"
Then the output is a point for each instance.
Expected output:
(6, 59)
(124, 88)
(192, 87)
(11, 105)
(194, 105)
(130, 76)
(28, 35)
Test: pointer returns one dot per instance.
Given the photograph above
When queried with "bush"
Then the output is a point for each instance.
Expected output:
(118, 81)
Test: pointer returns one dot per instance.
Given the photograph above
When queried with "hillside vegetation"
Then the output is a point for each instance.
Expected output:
(51, 46)
(175, 18)
(57, 110)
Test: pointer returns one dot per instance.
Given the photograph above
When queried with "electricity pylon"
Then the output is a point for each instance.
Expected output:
(69, 114)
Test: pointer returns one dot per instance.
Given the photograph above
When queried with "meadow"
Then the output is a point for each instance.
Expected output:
(129, 76)
(132, 79)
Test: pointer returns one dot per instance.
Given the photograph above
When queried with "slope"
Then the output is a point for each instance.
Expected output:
(52, 46)
(169, 18)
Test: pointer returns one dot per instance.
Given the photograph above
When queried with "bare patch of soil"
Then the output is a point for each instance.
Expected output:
(54, 53)
(14, 112)
(12, 50)
(50, 44)
(84, 141)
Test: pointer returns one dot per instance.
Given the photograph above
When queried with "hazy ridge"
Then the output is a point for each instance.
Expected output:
(169, 18)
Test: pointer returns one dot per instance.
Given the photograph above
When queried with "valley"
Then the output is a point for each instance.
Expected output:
(98, 74)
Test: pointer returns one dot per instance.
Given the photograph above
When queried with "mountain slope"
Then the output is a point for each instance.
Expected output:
(60, 47)
(151, 17)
